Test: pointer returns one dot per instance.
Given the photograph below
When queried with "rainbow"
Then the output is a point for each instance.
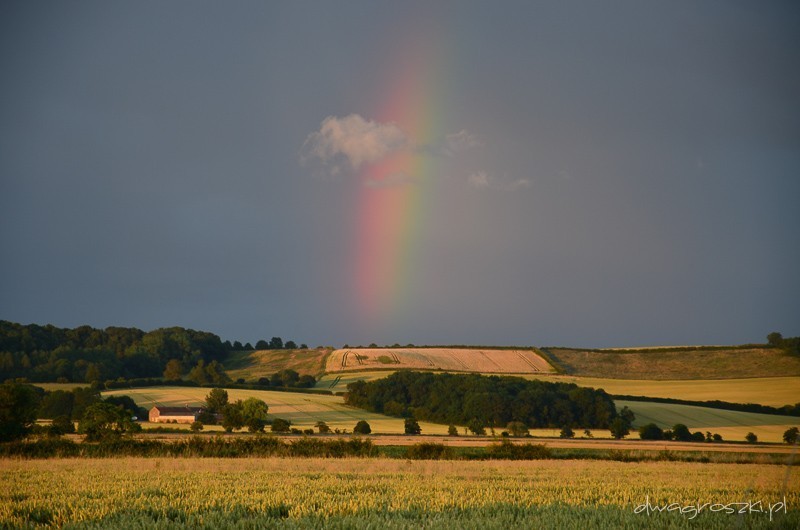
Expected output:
(394, 191)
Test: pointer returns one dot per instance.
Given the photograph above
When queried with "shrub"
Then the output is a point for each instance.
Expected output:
(567, 432)
(517, 428)
(506, 450)
(196, 426)
(362, 427)
(412, 427)
(452, 431)
(476, 427)
(751, 438)
(791, 435)
(651, 431)
(429, 451)
(680, 433)
(280, 425)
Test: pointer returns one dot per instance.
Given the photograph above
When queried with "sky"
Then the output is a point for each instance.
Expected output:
(565, 173)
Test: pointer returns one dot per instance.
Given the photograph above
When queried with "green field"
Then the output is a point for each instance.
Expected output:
(732, 425)
(385, 493)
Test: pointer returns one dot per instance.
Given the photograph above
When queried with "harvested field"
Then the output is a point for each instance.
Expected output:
(450, 359)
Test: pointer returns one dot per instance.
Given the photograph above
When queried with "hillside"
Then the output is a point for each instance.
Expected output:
(252, 365)
(677, 364)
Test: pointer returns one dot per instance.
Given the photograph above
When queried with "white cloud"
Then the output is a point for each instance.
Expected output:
(463, 140)
(482, 180)
(519, 184)
(355, 139)
(479, 180)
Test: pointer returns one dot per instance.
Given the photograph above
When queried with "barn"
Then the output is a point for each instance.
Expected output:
(187, 414)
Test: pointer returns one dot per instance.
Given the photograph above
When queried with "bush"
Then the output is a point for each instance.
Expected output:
(476, 427)
(507, 450)
(411, 426)
(751, 438)
(429, 451)
(196, 426)
(517, 428)
(567, 432)
(791, 435)
(651, 431)
(680, 433)
(280, 425)
(452, 431)
(362, 427)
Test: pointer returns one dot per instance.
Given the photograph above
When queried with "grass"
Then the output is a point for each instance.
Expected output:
(383, 493)
(681, 364)
(251, 365)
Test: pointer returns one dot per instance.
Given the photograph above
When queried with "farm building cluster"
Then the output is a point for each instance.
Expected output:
(187, 414)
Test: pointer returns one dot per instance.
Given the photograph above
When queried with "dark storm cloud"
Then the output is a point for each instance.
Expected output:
(149, 169)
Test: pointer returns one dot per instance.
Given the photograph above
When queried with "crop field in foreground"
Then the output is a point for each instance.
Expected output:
(379, 493)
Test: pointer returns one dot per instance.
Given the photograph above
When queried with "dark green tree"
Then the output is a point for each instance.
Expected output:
(651, 431)
(232, 416)
(619, 428)
(173, 370)
(567, 432)
(254, 412)
(517, 428)
(411, 426)
(104, 421)
(751, 438)
(216, 400)
(775, 339)
(281, 425)
(476, 427)
(362, 427)
(276, 343)
(790, 436)
(322, 427)
(18, 405)
(452, 431)
(681, 433)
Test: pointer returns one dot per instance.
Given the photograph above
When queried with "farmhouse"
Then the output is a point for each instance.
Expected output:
(187, 414)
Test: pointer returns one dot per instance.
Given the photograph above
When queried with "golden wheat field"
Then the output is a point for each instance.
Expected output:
(451, 359)
(382, 493)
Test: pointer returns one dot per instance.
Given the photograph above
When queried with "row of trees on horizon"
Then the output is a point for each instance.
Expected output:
(86, 354)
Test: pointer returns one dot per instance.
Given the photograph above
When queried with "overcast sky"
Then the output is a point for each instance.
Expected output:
(598, 174)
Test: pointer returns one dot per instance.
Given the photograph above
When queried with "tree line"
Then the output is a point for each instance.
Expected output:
(86, 354)
(491, 400)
